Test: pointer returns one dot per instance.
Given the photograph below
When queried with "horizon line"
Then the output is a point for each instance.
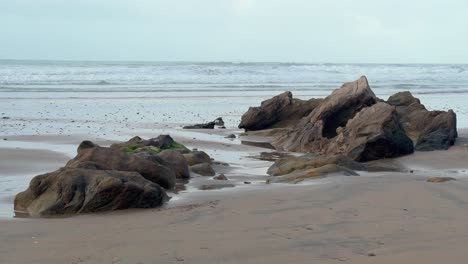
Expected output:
(224, 61)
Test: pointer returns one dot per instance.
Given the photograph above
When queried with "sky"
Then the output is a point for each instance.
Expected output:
(321, 31)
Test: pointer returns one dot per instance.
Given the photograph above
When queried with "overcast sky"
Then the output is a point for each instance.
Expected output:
(354, 31)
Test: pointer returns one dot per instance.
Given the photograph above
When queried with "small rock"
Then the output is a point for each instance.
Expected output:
(247, 182)
(5, 117)
(204, 169)
(440, 179)
(231, 136)
(371, 255)
(220, 177)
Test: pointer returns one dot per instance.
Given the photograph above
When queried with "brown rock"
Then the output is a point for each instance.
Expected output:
(74, 191)
(197, 157)
(440, 179)
(279, 111)
(300, 175)
(429, 130)
(204, 169)
(101, 158)
(220, 177)
(176, 161)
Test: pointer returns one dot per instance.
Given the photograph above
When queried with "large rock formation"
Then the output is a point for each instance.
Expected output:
(314, 132)
(279, 111)
(73, 191)
(429, 130)
(91, 156)
(353, 122)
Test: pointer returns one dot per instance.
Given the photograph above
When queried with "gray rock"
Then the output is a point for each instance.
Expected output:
(204, 169)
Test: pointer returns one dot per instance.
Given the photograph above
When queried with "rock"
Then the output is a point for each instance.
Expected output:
(313, 132)
(300, 175)
(440, 179)
(74, 191)
(210, 125)
(220, 177)
(176, 161)
(208, 187)
(101, 158)
(279, 111)
(204, 169)
(5, 117)
(151, 146)
(374, 133)
(230, 136)
(197, 157)
(219, 121)
(289, 164)
(429, 130)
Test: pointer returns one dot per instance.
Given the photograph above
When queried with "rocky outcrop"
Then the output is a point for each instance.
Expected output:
(313, 133)
(301, 175)
(429, 130)
(309, 161)
(75, 190)
(374, 133)
(150, 146)
(280, 111)
(91, 156)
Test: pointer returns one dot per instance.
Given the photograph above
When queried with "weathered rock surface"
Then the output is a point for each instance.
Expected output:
(197, 157)
(91, 156)
(150, 146)
(309, 161)
(221, 177)
(74, 191)
(279, 111)
(374, 133)
(177, 162)
(429, 130)
(314, 131)
(204, 169)
(300, 175)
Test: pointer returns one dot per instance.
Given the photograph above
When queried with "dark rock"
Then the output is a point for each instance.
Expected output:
(150, 146)
(197, 157)
(176, 161)
(231, 136)
(74, 191)
(374, 133)
(220, 177)
(5, 117)
(429, 130)
(313, 132)
(101, 158)
(279, 111)
(210, 125)
(204, 169)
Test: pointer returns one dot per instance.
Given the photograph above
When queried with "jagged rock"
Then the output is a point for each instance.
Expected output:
(204, 169)
(74, 191)
(176, 161)
(219, 121)
(289, 164)
(313, 132)
(197, 157)
(279, 111)
(374, 133)
(429, 130)
(101, 158)
(300, 175)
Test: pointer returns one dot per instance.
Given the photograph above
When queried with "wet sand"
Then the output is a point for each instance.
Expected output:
(375, 218)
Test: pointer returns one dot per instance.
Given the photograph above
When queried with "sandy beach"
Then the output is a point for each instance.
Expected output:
(373, 218)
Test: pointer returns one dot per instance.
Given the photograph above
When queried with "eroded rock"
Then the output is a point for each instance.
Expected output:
(76, 190)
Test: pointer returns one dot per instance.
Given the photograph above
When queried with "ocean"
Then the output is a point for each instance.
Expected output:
(187, 92)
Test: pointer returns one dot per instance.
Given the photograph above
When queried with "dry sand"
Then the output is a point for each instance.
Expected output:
(374, 218)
